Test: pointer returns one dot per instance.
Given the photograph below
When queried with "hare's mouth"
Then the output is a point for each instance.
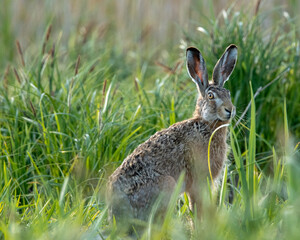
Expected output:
(223, 119)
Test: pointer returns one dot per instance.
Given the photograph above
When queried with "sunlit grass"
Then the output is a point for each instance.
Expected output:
(72, 109)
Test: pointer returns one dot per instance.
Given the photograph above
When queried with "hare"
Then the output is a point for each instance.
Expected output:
(155, 165)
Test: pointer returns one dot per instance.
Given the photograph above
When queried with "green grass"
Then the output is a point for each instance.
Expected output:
(74, 104)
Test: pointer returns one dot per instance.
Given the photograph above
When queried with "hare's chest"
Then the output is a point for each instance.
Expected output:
(203, 153)
(198, 157)
(218, 154)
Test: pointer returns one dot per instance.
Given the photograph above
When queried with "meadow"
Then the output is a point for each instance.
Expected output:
(84, 83)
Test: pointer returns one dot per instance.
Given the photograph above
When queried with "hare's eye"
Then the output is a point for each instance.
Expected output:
(210, 95)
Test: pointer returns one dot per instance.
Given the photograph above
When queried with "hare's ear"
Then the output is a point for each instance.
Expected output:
(196, 68)
(225, 66)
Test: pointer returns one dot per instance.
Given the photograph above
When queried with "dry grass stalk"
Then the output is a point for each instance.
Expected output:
(20, 53)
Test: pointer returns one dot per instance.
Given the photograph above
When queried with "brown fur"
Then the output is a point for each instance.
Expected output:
(155, 166)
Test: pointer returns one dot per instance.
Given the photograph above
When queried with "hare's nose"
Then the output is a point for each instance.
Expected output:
(230, 112)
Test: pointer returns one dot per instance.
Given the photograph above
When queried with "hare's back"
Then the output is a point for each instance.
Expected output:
(163, 154)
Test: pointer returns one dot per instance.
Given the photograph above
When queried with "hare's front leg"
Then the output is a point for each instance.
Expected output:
(195, 201)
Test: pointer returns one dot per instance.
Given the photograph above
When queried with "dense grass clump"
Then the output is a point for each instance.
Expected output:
(74, 104)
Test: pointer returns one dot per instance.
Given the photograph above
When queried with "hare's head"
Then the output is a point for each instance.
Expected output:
(214, 101)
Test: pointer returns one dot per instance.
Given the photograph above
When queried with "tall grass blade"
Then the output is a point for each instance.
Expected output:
(251, 155)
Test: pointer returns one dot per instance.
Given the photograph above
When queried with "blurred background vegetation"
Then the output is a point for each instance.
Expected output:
(84, 82)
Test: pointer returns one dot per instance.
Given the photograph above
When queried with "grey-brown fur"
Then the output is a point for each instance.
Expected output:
(155, 166)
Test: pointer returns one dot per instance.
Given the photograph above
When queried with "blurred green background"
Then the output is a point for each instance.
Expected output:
(85, 82)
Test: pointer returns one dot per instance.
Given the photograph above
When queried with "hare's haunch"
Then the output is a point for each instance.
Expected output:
(155, 166)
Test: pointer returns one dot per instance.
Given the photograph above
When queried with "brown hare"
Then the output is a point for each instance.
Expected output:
(155, 165)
